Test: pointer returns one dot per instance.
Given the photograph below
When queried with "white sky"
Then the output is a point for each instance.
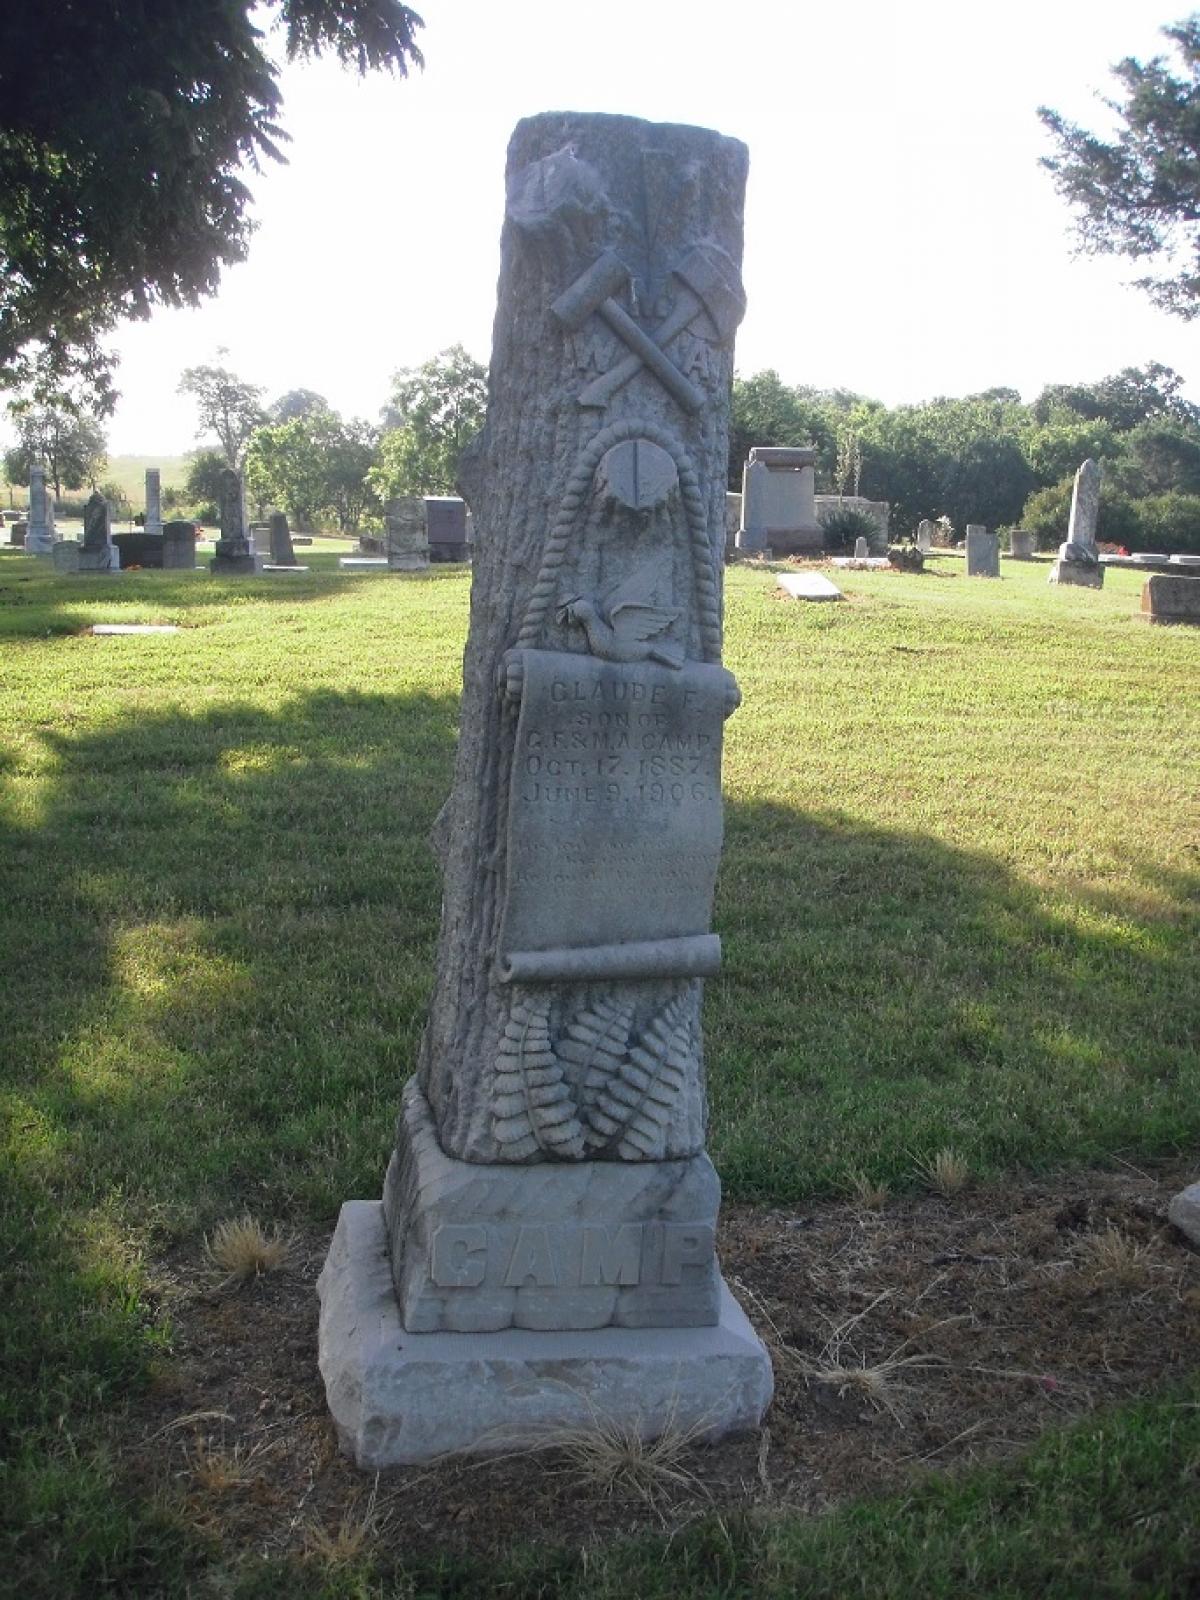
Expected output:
(901, 239)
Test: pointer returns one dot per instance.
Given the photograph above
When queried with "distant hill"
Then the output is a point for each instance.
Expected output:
(130, 473)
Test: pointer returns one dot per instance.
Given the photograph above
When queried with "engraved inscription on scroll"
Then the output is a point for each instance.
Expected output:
(614, 822)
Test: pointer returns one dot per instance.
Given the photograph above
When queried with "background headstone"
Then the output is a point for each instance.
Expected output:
(179, 545)
(861, 548)
(97, 553)
(733, 521)
(1166, 598)
(39, 534)
(280, 539)
(925, 535)
(983, 552)
(446, 527)
(779, 510)
(234, 554)
(549, 1200)
(154, 523)
(1020, 544)
(406, 542)
(16, 534)
(1078, 557)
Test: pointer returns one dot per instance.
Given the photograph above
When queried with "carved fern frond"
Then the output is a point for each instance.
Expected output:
(594, 1043)
(532, 1107)
(631, 1111)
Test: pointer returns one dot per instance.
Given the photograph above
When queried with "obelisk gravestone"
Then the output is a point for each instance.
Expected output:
(154, 522)
(1078, 556)
(549, 1212)
(39, 535)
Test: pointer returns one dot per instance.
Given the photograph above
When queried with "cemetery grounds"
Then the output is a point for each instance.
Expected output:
(954, 1076)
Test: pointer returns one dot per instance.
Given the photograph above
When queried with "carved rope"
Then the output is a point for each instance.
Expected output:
(704, 583)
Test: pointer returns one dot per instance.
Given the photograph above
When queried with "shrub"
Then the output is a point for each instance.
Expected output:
(1047, 514)
(843, 525)
(1168, 522)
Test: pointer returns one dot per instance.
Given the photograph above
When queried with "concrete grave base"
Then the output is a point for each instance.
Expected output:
(809, 586)
(66, 555)
(272, 566)
(400, 1397)
(1076, 572)
(362, 563)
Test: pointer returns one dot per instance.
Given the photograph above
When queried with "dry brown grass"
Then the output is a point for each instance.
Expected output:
(352, 1538)
(946, 1173)
(872, 1194)
(1115, 1258)
(217, 1470)
(242, 1248)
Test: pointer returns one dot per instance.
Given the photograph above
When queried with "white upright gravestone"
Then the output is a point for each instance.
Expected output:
(154, 522)
(544, 1254)
(1078, 557)
(39, 535)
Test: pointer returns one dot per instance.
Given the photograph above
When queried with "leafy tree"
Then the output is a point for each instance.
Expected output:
(1138, 195)
(434, 411)
(228, 407)
(124, 133)
(296, 403)
(1126, 398)
(312, 464)
(70, 444)
(203, 481)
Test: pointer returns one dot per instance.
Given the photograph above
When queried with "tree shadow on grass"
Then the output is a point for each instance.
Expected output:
(218, 936)
(34, 602)
(884, 995)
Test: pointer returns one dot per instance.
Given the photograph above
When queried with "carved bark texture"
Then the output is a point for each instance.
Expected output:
(652, 211)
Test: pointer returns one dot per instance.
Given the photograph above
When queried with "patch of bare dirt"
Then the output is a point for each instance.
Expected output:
(928, 1334)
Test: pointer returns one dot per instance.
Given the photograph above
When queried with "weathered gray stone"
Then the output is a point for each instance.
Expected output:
(179, 545)
(1085, 505)
(810, 586)
(925, 535)
(400, 1397)
(1082, 574)
(733, 521)
(16, 534)
(65, 555)
(1191, 562)
(861, 548)
(279, 537)
(778, 501)
(1184, 1210)
(549, 1168)
(407, 540)
(234, 555)
(1166, 598)
(983, 552)
(39, 535)
(1020, 544)
(97, 553)
(586, 1244)
(363, 563)
(154, 522)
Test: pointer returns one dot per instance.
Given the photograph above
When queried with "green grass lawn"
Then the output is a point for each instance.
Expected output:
(958, 904)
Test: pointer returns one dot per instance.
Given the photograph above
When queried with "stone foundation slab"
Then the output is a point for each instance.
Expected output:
(399, 1397)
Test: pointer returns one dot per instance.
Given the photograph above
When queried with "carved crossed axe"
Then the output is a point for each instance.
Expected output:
(712, 286)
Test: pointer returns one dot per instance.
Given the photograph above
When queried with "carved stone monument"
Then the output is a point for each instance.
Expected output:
(234, 552)
(39, 533)
(406, 541)
(97, 553)
(1020, 545)
(983, 552)
(925, 536)
(154, 522)
(779, 511)
(1079, 558)
(549, 1213)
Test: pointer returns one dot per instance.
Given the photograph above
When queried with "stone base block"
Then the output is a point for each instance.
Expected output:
(362, 563)
(400, 1397)
(287, 566)
(39, 544)
(100, 560)
(477, 1247)
(1076, 572)
(65, 555)
(1167, 598)
(235, 566)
